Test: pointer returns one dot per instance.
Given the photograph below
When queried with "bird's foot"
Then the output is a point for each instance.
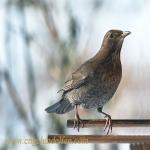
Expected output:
(78, 123)
(108, 124)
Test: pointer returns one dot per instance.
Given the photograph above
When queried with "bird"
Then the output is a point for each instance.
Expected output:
(95, 82)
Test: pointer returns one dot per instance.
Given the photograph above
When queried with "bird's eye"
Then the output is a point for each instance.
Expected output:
(111, 35)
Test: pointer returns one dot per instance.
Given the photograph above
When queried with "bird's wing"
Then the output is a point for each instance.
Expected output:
(79, 77)
(73, 83)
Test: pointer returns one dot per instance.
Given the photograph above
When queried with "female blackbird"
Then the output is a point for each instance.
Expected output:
(95, 81)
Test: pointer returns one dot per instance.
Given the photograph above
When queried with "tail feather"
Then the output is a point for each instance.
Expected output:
(60, 107)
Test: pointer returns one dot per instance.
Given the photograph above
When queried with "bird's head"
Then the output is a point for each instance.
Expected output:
(113, 39)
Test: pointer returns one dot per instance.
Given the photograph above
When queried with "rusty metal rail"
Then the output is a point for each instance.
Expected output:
(115, 123)
(66, 139)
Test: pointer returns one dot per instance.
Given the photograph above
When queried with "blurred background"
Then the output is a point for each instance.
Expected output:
(43, 41)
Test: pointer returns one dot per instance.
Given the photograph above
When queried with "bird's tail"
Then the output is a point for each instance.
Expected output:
(60, 107)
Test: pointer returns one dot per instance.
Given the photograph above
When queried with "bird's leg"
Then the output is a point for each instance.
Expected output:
(77, 120)
(108, 123)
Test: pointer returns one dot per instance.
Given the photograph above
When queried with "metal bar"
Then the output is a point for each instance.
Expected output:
(115, 123)
(68, 139)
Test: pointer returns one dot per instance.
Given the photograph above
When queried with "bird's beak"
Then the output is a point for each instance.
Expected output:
(125, 33)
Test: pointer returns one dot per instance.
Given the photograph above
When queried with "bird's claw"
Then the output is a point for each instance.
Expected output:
(108, 124)
(78, 123)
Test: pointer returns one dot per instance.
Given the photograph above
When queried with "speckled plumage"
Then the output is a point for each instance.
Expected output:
(98, 87)
(94, 83)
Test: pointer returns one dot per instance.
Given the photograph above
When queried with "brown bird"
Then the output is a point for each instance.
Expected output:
(95, 81)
